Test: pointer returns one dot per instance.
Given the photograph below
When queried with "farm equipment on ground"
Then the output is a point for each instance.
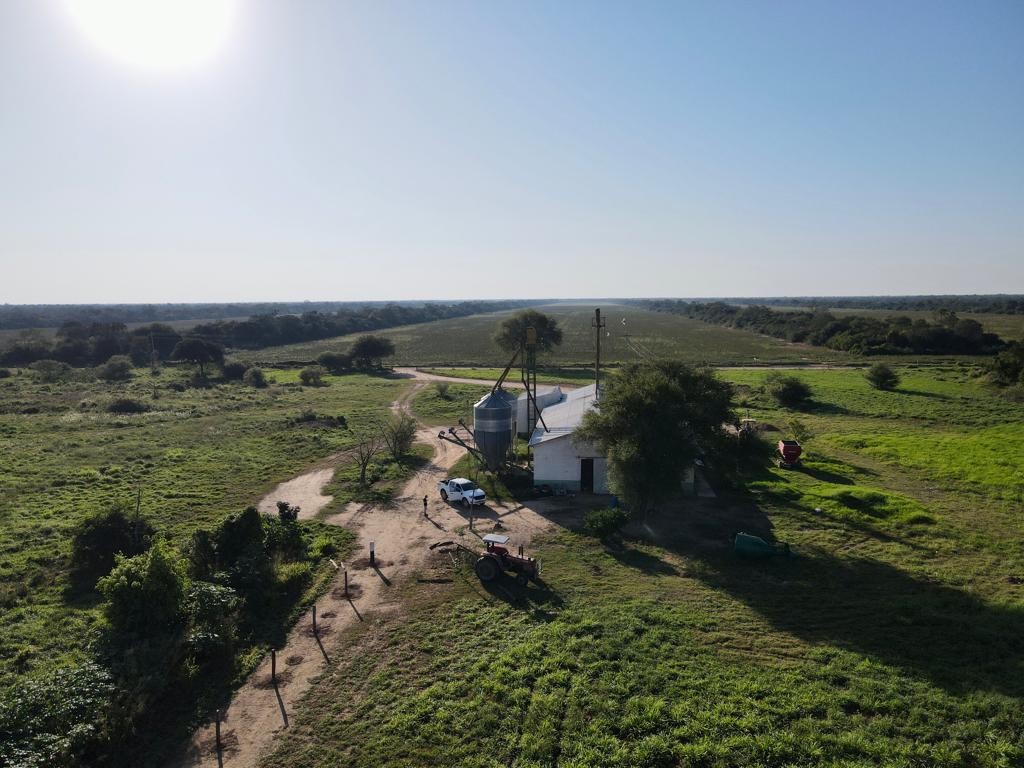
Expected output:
(496, 559)
(789, 454)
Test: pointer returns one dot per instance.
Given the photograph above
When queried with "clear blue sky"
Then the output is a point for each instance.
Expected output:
(337, 150)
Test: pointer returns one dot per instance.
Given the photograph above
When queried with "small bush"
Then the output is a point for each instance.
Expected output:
(287, 512)
(117, 368)
(604, 523)
(254, 377)
(323, 546)
(881, 376)
(312, 376)
(234, 371)
(125, 405)
(442, 387)
(335, 362)
(788, 391)
(5, 373)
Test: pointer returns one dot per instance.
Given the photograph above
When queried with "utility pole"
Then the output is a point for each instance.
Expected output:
(598, 324)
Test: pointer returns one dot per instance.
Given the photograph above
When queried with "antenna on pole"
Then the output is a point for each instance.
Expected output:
(598, 324)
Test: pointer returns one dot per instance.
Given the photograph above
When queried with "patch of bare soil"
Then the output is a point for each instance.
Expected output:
(304, 492)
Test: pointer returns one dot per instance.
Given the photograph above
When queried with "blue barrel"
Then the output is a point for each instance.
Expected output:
(493, 424)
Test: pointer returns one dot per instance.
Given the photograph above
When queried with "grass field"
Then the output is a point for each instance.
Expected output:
(197, 456)
(895, 636)
(467, 341)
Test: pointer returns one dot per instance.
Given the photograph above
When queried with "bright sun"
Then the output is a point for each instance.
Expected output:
(156, 34)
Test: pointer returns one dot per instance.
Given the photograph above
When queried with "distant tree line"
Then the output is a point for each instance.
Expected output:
(20, 316)
(82, 344)
(948, 334)
(1003, 304)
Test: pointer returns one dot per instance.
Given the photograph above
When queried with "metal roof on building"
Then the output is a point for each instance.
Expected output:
(563, 417)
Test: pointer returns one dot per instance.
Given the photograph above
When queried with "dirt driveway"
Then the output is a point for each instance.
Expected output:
(401, 534)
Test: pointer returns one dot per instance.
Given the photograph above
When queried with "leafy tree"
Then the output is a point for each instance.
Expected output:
(511, 333)
(881, 376)
(398, 434)
(369, 350)
(198, 352)
(788, 391)
(652, 421)
(145, 594)
(52, 721)
(312, 376)
(800, 431)
(117, 368)
(50, 371)
(335, 362)
(255, 378)
(98, 540)
(1007, 368)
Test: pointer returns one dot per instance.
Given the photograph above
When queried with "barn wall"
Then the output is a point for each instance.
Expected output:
(557, 463)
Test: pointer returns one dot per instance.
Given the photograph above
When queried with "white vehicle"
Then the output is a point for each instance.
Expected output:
(461, 489)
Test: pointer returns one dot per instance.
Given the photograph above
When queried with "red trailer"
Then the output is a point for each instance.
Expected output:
(789, 454)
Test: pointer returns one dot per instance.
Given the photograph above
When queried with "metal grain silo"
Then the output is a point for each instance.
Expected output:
(492, 425)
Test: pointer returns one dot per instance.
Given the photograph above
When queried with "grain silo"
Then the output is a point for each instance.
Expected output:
(493, 425)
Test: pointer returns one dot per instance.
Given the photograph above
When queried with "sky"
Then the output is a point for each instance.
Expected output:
(330, 150)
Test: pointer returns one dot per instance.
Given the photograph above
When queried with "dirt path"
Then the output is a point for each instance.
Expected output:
(401, 534)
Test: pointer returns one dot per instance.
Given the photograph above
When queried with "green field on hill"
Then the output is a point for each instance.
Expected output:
(893, 636)
(468, 341)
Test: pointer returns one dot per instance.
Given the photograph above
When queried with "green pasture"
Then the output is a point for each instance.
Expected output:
(467, 341)
(197, 456)
(893, 636)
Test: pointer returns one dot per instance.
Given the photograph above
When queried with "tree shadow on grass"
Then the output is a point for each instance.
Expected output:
(650, 564)
(926, 628)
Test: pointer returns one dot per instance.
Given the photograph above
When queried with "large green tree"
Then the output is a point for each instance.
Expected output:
(369, 350)
(511, 333)
(200, 352)
(653, 420)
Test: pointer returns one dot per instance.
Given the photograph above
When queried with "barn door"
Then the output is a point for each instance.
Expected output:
(587, 475)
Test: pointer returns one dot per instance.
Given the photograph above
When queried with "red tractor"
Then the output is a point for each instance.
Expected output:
(496, 559)
(789, 454)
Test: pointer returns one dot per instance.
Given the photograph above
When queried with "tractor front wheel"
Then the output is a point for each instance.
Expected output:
(486, 568)
(522, 579)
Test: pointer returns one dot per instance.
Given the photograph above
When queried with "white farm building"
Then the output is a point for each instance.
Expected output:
(559, 461)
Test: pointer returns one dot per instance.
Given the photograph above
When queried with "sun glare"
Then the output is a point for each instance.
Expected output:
(158, 35)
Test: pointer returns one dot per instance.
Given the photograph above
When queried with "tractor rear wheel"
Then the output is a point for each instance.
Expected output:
(486, 568)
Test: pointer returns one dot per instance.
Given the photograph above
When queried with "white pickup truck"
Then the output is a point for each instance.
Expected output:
(461, 489)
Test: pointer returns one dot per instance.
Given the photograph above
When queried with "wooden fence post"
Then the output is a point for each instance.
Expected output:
(314, 618)
(273, 666)
(219, 745)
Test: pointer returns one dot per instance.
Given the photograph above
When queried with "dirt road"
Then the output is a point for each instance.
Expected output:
(401, 534)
